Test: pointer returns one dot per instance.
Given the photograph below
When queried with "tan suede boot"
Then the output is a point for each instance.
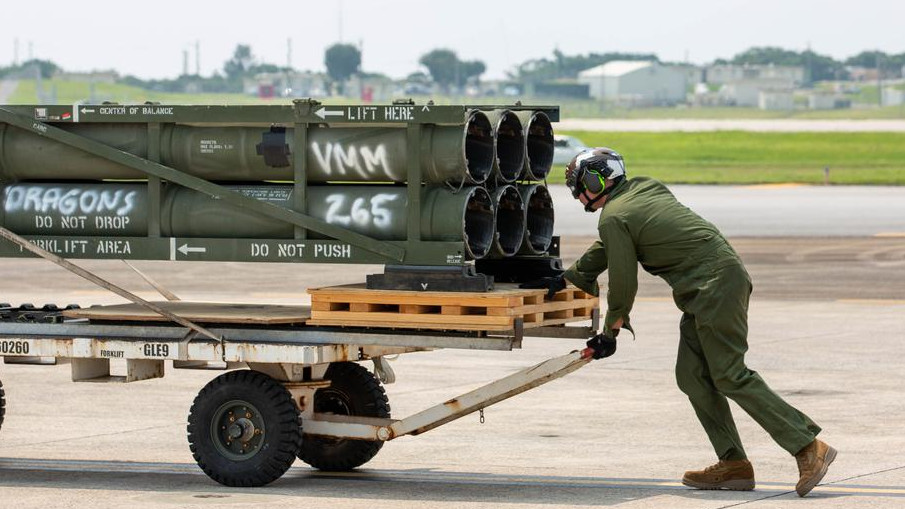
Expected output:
(726, 475)
(813, 462)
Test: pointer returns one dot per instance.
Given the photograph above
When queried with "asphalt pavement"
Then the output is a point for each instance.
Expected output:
(771, 210)
(751, 125)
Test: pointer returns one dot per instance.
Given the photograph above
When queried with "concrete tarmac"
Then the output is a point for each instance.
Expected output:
(706, 125)
(771, 210)
(827, 332)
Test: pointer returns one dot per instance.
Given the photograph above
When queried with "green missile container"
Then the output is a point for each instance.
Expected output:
(121, 210)
(234, 153)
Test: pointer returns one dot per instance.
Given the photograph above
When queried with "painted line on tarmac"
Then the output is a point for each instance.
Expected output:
(873, 302)
(134, 467)
(777, 185)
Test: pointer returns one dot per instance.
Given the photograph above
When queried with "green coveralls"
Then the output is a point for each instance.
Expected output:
(642, 221)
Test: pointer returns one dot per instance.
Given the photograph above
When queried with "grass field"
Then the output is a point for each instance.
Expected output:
(731, 157)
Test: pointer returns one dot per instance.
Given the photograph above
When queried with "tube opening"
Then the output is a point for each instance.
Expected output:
(510, 147)
(539, 146)
(539, 220)
(478, 147)
(510, 220)
(478, 223)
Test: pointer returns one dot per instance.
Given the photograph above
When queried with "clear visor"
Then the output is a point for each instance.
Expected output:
(617, 166)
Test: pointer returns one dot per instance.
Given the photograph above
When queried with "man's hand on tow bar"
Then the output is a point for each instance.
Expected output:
(603, 345)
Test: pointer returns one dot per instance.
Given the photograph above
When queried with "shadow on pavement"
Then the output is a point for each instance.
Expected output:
(185, 482)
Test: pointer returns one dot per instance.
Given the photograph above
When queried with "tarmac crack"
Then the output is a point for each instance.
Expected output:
(768, 497)
(859, 476)
(838, 481)
(123, 432)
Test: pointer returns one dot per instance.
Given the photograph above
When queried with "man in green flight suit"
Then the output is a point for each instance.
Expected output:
(642, 222)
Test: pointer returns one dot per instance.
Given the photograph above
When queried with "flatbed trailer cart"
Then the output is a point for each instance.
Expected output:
(302, 393)
(450, 199)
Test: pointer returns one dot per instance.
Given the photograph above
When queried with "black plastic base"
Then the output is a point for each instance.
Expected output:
(520, 269)
(430, 278)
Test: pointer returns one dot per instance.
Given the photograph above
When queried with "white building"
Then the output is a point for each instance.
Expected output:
(635, 82)
(723, 74)
(891, 96)
(747, 92)
(824, 100)
(776, 100)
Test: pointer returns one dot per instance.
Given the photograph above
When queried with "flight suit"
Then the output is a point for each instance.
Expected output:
(642, 222)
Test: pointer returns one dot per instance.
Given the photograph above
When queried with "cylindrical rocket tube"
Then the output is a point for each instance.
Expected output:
(120, 210)
(538, 144)
(510, 220)
(509, 138)
(27, 156)
(539, 218)
(350, 154)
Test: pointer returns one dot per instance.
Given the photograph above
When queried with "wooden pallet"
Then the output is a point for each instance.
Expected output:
(201, 312)
(356, 306)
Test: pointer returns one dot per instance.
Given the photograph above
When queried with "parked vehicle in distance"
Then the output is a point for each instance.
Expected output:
(565, 148)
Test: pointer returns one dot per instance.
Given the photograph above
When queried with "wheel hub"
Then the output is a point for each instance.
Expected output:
(237, 430)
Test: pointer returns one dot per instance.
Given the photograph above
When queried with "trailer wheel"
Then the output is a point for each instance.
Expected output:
(2, 404)
(353, 391)
(243, 429)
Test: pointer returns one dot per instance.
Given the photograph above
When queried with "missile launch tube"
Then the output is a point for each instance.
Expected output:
(538, 144)
(539, 218)
(120, 210)
(236, 153)
(510, 220)
(509, 142)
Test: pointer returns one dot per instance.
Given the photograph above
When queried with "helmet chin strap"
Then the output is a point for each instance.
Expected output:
(589, 206)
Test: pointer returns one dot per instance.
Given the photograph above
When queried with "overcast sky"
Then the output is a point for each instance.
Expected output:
(147, 38)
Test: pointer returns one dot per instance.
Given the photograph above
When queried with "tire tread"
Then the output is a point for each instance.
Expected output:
(325, 456)
(2, 404)
(286, 429)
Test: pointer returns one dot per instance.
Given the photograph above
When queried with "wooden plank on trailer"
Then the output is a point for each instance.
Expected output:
(506, 296)
(206, 312)
(398, 319)
(434, 325)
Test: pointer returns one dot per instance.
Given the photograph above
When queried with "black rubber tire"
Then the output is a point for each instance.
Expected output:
(353, 391)
(2, 404)
(277, 448)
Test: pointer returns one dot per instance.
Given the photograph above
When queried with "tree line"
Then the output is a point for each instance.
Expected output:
(445, 69)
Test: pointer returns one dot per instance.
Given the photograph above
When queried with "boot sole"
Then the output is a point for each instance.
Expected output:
(814, 481)
(734, 485)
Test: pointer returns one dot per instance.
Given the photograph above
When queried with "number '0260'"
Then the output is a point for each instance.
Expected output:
(14, 347)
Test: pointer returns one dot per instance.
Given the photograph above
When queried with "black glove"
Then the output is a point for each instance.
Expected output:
(552, 284)
(603, 345)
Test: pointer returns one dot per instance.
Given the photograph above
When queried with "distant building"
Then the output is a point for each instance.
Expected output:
(635, 82)
(827, 101)
(892, 96)
(776, 100)
(286, 84)
(858, 73)
(727, 73)
(370, 89)
(746, 93)
(89, 77)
